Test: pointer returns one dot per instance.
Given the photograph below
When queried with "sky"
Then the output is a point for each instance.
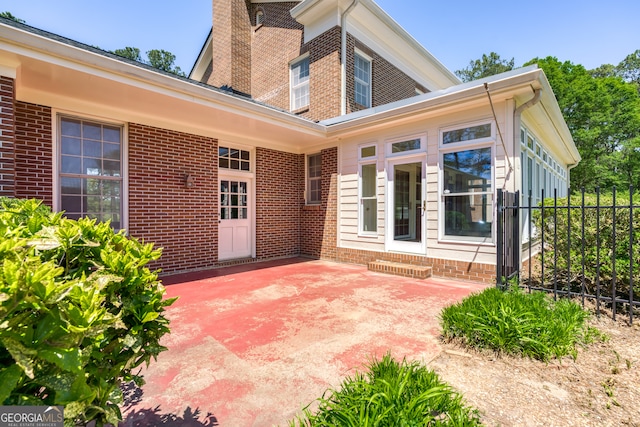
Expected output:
(586, 32)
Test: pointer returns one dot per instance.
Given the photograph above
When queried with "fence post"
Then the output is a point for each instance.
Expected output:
(499, 241)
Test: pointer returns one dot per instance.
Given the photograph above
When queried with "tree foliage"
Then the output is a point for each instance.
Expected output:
(9, 15)
(602, 112)
(79, 311)
(601, 108)
(157, 58)
(488, 65)
(132, 53)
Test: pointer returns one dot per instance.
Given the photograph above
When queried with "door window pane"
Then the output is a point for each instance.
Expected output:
(232, 158)
(407, 199)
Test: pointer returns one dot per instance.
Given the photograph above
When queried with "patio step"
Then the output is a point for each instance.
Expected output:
(400, 269)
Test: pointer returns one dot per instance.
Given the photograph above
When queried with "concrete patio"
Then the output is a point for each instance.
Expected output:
(252, 345)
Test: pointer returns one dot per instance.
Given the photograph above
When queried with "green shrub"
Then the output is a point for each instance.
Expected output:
(601, 254)
(391, 394)
(79, 312)
(514, 322)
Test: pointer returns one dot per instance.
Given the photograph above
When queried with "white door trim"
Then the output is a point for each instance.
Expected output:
(392, 245)
(231, 175)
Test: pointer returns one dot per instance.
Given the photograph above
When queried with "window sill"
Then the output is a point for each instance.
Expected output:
(312, 207)
(257, 27)
(300, 110)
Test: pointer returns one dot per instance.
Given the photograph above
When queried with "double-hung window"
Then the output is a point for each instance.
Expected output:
(467, 188)
(368, 184)
(314, 179)
(362, 79)
(300, 84)
(90, 171)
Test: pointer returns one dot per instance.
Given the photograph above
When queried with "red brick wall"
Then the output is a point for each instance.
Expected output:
(389, 84)
(324, 75)
(7, 131)
(265, 51)
(279, 190)
(162, 210)
(33, 152)
(231, 45)
(462, 270)
(318, 233)
(275, 43)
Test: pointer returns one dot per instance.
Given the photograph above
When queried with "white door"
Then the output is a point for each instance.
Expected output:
(406, 206)
(235, 234)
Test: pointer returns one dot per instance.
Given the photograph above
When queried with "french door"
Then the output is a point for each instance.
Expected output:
(406, 205)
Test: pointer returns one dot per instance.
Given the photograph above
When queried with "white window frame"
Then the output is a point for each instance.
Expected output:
(450, 146)
(366, 161)
(359, 82)
(310, 179)
(390, 142)
(467, 145)
(56, 117)
(295, 87)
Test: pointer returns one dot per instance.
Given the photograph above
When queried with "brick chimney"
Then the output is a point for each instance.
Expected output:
(231, 41)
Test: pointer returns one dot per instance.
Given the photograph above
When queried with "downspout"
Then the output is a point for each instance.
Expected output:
(343, 58)
(517, 119)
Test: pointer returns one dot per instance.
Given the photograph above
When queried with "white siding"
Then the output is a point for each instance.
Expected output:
(349, 236)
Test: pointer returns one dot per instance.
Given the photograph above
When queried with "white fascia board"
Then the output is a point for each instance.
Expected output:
(203, 60)
(24, 43)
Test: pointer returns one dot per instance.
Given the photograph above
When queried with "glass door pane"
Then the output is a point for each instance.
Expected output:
(407, 202)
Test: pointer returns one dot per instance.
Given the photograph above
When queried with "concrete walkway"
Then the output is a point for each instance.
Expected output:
(252, 345)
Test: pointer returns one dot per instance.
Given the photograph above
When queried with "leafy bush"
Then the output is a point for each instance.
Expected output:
(519, 323)
(391, 394)
(79, 312)
(604, 249)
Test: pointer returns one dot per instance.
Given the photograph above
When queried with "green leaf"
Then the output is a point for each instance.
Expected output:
(9, 378)
(67, 359)
(148, 317)
(21, 355)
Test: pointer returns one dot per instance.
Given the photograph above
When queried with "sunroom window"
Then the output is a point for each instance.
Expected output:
(468, 193)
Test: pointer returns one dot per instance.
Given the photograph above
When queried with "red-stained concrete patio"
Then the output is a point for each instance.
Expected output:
(251, 345)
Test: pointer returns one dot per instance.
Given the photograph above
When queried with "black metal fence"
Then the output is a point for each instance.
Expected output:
(585, 245)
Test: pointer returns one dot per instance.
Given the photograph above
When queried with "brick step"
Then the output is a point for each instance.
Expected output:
(399, 269)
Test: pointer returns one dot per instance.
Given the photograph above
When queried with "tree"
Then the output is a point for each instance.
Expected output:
(629, 68)
(603, 114)
(163, 60)
(157, 58)
(132, 53)
(488, 65)
(9, 15)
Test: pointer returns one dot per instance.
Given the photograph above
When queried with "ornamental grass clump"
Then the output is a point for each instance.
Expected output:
(79, 312)
(514, 322)
(391, 394)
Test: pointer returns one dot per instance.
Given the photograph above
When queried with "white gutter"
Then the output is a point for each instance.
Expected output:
(343, 58)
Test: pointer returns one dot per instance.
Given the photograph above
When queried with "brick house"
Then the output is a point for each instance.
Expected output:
(317, 128)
